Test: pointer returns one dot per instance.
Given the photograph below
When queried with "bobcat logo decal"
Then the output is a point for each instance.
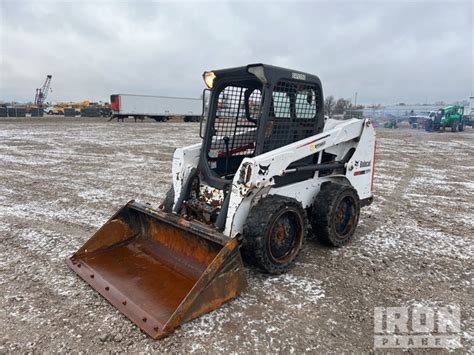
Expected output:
(263, 169)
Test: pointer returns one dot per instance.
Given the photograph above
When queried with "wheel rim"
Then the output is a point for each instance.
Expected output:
(345, 217)
(285, 236)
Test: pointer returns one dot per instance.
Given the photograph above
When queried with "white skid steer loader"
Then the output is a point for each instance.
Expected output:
(269, 167)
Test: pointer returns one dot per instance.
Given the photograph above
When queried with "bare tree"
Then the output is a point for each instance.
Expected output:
(342, 105)
(329, 104)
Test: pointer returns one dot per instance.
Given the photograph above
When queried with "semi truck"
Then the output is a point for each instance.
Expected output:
(159, 108)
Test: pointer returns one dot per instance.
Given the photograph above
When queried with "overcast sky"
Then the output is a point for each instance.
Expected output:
(388, 52)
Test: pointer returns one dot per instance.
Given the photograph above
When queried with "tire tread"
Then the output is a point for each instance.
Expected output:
(259, 219)
(322, 213)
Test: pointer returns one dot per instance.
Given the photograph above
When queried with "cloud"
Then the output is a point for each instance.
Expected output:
(386, 51)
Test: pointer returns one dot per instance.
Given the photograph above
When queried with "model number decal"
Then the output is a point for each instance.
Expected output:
(362, 163)
(298, 76)
(313, 147)
(314, 140)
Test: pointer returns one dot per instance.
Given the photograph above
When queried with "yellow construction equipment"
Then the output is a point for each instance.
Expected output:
(58, 109)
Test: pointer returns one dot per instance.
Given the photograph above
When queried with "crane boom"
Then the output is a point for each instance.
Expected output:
(42, 92)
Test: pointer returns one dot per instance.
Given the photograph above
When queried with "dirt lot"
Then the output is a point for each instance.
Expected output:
(61, 179)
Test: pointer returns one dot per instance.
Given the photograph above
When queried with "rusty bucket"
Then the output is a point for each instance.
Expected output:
(158, 269)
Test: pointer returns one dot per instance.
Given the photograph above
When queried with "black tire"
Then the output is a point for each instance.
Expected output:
(461, 127)
(167, 204)
(335, 214)
(429, 126)
(274, 233)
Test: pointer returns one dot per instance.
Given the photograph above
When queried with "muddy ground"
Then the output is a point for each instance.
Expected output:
(60, 179)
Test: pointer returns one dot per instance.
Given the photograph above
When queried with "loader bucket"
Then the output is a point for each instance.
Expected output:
(159, 269)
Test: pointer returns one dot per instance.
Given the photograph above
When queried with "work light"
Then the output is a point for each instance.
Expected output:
(209, 77)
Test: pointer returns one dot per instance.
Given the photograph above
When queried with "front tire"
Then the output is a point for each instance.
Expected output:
(335, 214)
(274, 233)
(168, 202)
(454, 127)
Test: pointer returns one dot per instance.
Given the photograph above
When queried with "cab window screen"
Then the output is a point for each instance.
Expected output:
(235, 125)
(305, 104)
(281, 104)
(293, 113)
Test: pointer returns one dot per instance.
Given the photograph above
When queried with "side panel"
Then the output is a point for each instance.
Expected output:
(361, 167)
(259, 171)
(159, 105)
(184, 160)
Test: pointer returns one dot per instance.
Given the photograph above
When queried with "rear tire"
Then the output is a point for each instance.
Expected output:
(274, 233)
(335, 214)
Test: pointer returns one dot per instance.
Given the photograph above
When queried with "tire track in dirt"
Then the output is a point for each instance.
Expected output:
(388, 208)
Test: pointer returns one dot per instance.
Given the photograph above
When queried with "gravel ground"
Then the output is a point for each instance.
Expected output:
(60, 179)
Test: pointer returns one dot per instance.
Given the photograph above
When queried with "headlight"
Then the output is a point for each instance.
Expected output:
(209, 77)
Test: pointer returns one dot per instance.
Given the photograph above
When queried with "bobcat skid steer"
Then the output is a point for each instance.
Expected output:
(269, 167)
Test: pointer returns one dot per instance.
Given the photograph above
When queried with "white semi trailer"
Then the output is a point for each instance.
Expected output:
(160, 108)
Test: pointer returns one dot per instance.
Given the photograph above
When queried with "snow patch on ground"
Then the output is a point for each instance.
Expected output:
(308, 291)
(34, 210)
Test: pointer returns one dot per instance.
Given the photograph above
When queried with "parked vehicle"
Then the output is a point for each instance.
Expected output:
(450, 116)
(421, 120)
(469, 116)
(73, 108)
(160, 108)
(469, 119)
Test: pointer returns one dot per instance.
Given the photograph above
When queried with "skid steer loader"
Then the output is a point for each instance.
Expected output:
(269, 168)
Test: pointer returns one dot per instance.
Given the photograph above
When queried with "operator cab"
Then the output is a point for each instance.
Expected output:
(254, 110)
